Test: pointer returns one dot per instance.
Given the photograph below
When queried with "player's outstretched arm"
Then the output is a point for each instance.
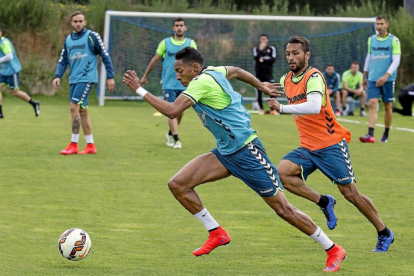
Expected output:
(171, 110)
(154, 61)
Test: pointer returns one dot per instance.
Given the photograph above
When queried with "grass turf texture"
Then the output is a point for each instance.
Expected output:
(120, 197)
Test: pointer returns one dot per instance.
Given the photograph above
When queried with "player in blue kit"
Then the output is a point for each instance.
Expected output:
(80, 52)
(239, 151)
(9, 74)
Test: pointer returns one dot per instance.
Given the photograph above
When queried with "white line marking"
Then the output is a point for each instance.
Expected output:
(378, 125)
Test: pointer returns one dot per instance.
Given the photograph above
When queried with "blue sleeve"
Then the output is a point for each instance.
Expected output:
(62, 63)
(336, 84)
(97, 46)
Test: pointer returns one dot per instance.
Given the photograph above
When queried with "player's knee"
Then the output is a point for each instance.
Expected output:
(372, 103)
(15, 92)
(285, 212)
(83, 112)
(175, 186)
(73, 108)
(350, 195)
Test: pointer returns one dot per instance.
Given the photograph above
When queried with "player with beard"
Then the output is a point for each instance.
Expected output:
(323, 142)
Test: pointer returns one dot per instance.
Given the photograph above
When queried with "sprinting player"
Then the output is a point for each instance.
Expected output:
(333, 80)
(381, 64)
(352, 85)
(239, 151)
(9, 74)
(323, 142)
(264, 56)
(80, 52)
(171, 87)
(406, 99)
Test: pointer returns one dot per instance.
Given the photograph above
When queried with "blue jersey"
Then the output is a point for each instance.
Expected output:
(10, 67)
(333, 81)
(381, 58)
(80, 53)
(169, 80)
(230, 125)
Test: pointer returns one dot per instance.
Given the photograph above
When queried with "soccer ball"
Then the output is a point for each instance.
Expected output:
(74, 244)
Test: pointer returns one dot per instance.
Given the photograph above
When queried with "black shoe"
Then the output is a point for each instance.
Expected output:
(351, 113)
(37, 108)
(1, 116)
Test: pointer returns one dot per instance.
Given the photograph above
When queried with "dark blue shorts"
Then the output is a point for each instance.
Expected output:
(333, 161)
(386, 91)
(79, 93)
(11, 81)
(251, 165)
(171, 95)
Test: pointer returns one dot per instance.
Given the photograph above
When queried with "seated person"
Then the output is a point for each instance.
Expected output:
(352, 80)
(333, 80)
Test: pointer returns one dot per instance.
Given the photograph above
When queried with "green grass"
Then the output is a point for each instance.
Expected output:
(120, 197)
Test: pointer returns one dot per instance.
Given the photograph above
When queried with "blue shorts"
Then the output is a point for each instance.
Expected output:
(251, 165)
(79, 93)
(333, 161)
(11, 81)
(386, 91)
(171, 95)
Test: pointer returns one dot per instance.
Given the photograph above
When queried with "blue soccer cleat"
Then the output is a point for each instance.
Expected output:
(384, 242)
(329, 212)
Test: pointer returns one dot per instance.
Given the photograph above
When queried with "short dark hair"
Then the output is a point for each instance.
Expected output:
(382, 17)
(303, 41)
(264, 35)
(178, 19)
(329, 65)
(355, 62)
(76, 13)
(190, 55)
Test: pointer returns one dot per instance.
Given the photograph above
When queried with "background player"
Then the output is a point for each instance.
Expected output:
(9, 74)
(381, 63)
(406, 99)
(323, 142)
(352, 85)
(172, 88)
(239, 151)
(264, 56)
(333, 80)
(80, 52)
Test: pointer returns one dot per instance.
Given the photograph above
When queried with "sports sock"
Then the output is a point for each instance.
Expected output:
(320, 237)
(362, 108)
(89, 139)
(384, 232)
(1, 110)
(32, 102)
(371, 131)
(323, 201)
(75, 138)
(206, 219)
(169, 132)
(343, 108)
(387, 130)
(175, 136)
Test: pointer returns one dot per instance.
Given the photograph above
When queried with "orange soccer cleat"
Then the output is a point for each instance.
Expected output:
(216, 238)
(89, 149)
(71, 149)
(335, 257)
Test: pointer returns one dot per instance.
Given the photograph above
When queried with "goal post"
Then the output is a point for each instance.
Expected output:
(225, 39)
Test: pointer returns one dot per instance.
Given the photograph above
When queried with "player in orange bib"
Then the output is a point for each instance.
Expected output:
(323, 142)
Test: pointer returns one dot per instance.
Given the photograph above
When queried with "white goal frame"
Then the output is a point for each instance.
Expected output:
(109, 14)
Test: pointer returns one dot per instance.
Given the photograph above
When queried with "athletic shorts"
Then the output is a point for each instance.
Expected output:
(333, 161)
(386, 91)
(251, 165)
(171, 95)
(79, 93)
(11, 81)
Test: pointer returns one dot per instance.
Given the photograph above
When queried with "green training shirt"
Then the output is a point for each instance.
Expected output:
(161, 47)
(351, 80)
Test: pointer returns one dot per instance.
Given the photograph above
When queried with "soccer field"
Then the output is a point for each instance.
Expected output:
(120, 197)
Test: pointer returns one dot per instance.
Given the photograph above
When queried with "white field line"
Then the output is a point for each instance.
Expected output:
(378, 125)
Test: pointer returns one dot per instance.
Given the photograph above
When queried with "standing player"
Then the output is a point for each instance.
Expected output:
(9, 74)
(352, 85)
(239, 151)
(265, 57)
(333, 80)
(80, 52)
(171, 87)
(323, 142)
(381, 63)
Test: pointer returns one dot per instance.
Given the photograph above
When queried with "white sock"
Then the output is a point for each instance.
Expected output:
(320, 237)
(206, 219)
(75, 138)
(89, 139)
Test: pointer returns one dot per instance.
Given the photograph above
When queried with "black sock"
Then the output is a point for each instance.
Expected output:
(1, 110)
(32, 102)
(384, 232)
(169, 132)
(371, 131)
(362, 108)
(343, 108)
(386, 131)
(175, 136)
(323, 201)
(212, 229)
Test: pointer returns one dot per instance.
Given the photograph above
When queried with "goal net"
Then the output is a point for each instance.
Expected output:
(132, 38)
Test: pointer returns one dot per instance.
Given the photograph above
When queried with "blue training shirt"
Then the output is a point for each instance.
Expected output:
(333, 81)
